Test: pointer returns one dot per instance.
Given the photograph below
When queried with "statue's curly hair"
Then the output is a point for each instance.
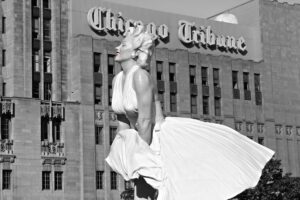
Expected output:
(143, 43)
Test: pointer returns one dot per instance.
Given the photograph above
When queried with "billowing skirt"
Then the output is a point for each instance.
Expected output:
(190, 160)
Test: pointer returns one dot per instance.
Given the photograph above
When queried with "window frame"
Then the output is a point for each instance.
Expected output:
(46, 180)
(58, 180)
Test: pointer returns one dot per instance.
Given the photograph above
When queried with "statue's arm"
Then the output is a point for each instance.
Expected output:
(143, 87)
(123, 122)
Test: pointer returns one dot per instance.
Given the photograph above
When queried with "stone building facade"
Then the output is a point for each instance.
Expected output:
(56, 121)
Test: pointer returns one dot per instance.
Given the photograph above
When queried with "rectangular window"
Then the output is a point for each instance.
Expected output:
(204, 75)
(46, 4)
(205, 105)
(97, 62)
(192, 74)
(112, 134)
(3, 57)
(4, 89)
(56, 130)
(35, 3)
(44, 128)
(46, 180)
(172, 72)
(98, 94)
(216, 77)
(110, 95)
(257, 82)
(58, 180)
(235, 80)
(246, 80)
(6, 179)
(99, 134)
(99, 180)
(36, 89)
(159, 70)
(5, 121)
(194, 104)
(113, 180)
(217, 106)
(47, 90)
(47, 62)
(35, 28)
(173, 102)
(261, 140)
(111, 64)
(161, 98)
(3, 24)
(36, 61)
(47, 29)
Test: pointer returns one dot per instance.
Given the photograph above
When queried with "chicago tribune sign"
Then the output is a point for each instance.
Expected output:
(103, 20)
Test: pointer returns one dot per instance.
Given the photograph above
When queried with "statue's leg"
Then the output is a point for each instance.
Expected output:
(143, 191)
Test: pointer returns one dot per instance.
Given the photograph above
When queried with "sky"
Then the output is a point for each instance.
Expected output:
(195, 8)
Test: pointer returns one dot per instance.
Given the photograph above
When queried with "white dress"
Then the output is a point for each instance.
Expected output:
(188, 159)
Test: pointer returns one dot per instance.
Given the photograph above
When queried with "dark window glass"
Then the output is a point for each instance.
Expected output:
(192, 74)
(99, 134)
(97, 62)
(47, 91)
(159, 69)
(3, 24)
(58, 180)
(194, 104)
(111, 64)
(46, 180)
(44, 128)
(161, 99)
(205, 105)
(36, 89)
(110, 95)
(113, 180)
(3, 57)
(56, 131)
(112, 134)
(35, 61)
(35, 3)
(235, 80)
(47, 62)
(217, 106)
(35, 28)
(261, 140)
(46, 4)
(98, 94)
(204, 75)
(4, 89)
(216, 77)
(257, 82)
(246, 80)
(5, 120)
(6, 179)
(47, 29)
(99, 180)
(173, 102)
(172, 72)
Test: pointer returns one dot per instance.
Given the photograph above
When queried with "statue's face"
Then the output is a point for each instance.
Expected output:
(125, 50)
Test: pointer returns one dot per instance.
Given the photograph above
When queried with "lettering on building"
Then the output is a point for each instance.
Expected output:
(202, 36)
(104, 20)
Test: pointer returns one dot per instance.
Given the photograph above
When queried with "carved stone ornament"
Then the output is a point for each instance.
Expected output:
(298, 131)
(57, 111)
(45, 110)
(113, 116)
(99, 115)
(7, 107)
